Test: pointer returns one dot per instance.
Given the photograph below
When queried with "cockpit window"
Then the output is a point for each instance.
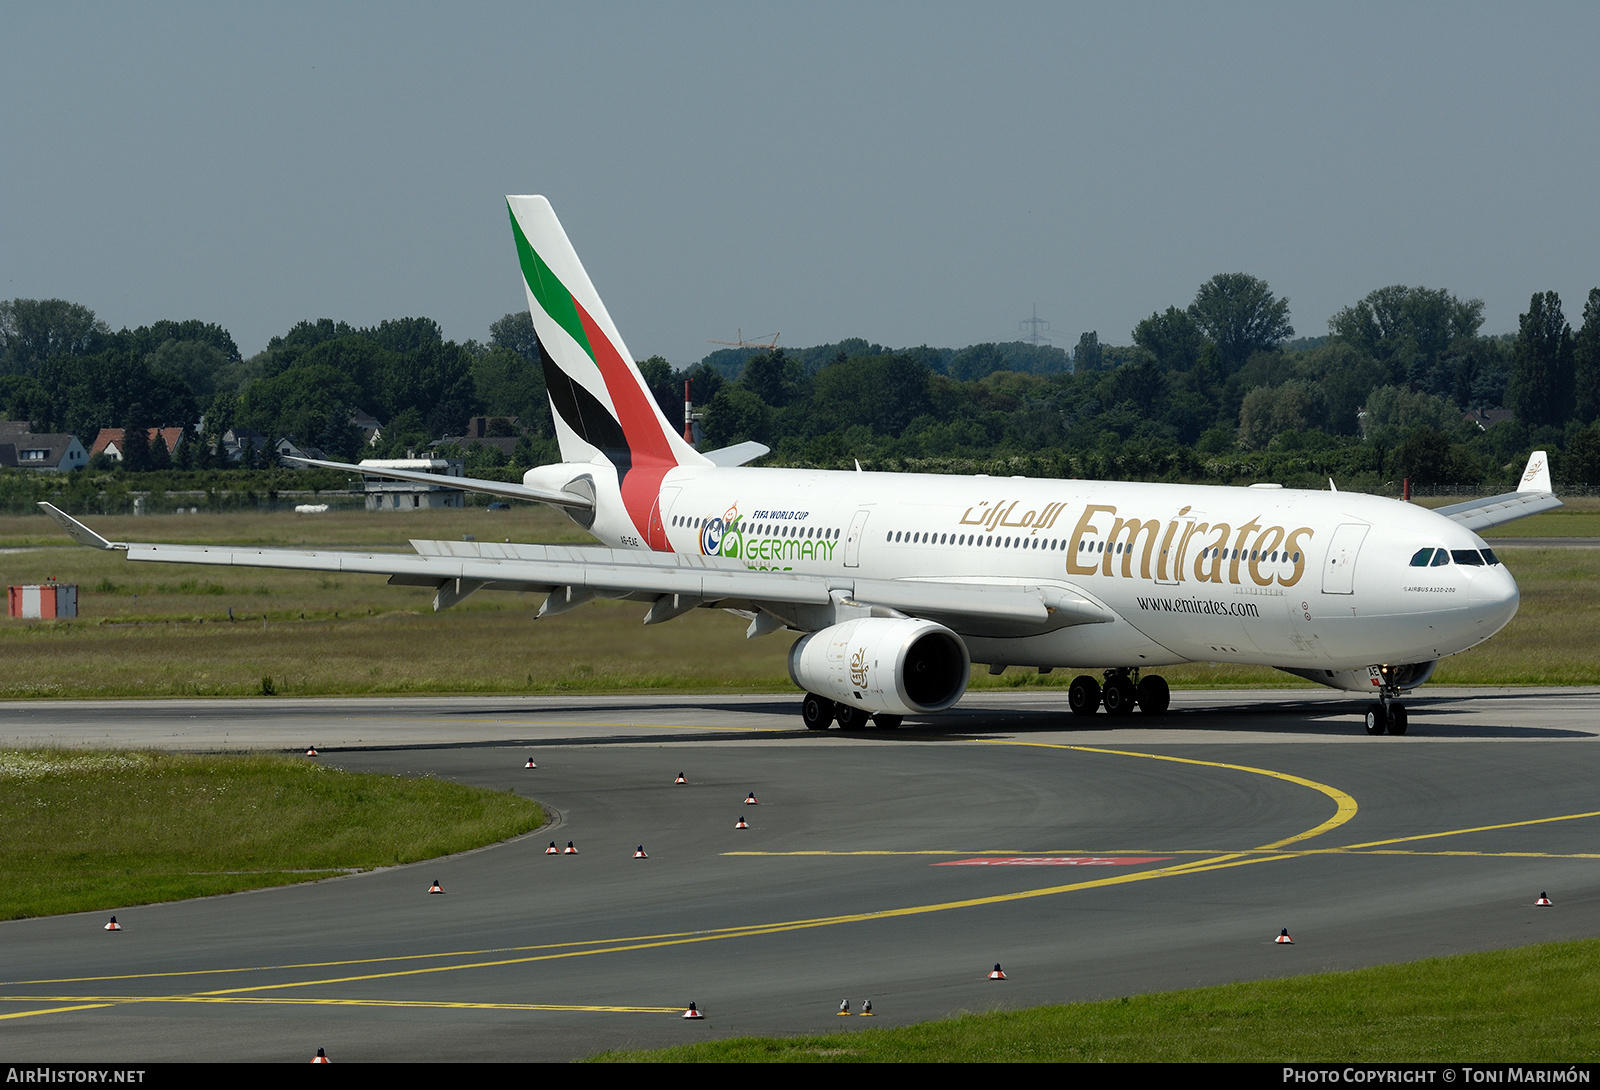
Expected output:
(1440, 558)
(1488, 554)
(1421, 557)
(1467, 556)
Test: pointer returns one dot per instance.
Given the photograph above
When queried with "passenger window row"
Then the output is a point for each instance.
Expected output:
(762, 528)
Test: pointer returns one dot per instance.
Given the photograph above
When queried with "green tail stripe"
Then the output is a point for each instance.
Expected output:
(551, 293)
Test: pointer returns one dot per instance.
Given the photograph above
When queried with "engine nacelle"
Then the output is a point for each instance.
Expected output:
(904, 666)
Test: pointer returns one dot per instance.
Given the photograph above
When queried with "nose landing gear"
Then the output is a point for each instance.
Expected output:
(1390, 717)
(1387, 714)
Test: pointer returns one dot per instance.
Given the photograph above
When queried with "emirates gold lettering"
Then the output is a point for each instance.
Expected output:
(1219, 551)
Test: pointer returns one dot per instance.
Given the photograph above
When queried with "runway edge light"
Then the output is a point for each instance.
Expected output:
(693, 1012)
(1283, 938)
(998, 973)
(113, 925)
(1543, 901)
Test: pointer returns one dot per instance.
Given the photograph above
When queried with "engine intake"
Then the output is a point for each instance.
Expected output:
(903, 665)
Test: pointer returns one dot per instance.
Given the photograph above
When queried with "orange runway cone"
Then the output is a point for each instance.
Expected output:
(1543, 901)
(866, 1008)
(1283, 938)
(311, 751)
(530, 764)
(552, 849)
(113, 925)
(998, 974)
(741, 824)
(639, 853)
(692, 1013)
(750, 799)
(681, 778)
(844, 1007)
(570, 850)
(321, 1058)
(436, 887)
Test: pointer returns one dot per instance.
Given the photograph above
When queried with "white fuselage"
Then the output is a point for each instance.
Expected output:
(1280, 577)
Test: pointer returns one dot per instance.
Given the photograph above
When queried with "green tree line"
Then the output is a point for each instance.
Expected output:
(1217, 390)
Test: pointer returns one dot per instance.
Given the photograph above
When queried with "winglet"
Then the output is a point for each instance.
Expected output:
(1536, 478)
(78, 531)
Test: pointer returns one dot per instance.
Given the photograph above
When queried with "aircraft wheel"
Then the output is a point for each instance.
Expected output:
(884, 721)
(816, 711)
(1377, 721)
(1083, 696)
(850, 718)
(1155, 696)
(1119, 696)
(1397, 719)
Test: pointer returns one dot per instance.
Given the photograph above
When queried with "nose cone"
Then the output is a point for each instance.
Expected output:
(1494, 599)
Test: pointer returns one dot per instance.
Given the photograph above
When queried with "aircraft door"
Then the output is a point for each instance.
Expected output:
(852, 544)
(661, 514)
(1339, 569)
(1172, 546)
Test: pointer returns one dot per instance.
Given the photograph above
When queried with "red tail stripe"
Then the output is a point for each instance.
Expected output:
(650, 453)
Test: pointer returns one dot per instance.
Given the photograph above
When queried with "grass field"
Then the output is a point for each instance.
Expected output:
(1532, 1004)
(164, 630)
(87, 831)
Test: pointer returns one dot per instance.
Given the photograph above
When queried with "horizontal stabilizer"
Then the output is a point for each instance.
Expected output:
(739, 454)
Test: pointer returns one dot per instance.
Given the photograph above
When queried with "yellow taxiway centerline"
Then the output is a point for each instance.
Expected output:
(1345, 809)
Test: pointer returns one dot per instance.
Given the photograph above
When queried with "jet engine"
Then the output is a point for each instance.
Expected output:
(877, 664)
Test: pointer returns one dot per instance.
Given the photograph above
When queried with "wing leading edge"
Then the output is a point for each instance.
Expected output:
(673, 582)
(1535, 495)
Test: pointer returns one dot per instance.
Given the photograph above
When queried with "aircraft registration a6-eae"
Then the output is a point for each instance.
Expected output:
(899, 582)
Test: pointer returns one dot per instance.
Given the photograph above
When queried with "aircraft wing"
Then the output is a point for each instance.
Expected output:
(467, 484)
(1535, 495)
(674, 583)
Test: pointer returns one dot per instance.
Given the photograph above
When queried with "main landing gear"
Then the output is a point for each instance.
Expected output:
(1123, 690)
(819, 713)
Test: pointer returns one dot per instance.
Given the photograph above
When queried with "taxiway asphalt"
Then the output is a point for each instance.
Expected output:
(1090, 860)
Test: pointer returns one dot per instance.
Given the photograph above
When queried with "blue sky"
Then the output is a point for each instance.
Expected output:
(910, 174)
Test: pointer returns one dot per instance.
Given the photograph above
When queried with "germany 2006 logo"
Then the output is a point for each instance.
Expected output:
(721, 536)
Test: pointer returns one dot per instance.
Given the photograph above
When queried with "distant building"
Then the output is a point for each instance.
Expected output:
(235, 441)
(390, 495)
(504, 438)
(21, 448)
(286, 449)
(1488, 418)
(110, 441)
(369, 427)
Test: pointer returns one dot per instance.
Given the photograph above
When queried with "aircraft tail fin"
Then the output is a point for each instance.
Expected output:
(601, 403)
